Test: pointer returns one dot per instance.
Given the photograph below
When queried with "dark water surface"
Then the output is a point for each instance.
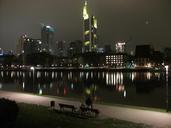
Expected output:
(134, 88)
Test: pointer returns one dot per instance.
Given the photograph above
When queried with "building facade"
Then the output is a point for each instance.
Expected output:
(89, 31)
(75, 48)
(118, 59)
(120, 47)
(115, 60)
(143, 56)
(47, 37)
(60, 49)
(31, 46)
(20, 44)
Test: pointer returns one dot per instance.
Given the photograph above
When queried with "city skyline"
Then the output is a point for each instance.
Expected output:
(145, 21)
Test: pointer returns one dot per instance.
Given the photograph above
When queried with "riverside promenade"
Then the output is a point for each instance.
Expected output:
(155, 119)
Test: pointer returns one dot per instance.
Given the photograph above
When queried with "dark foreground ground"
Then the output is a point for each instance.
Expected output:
(33, 116)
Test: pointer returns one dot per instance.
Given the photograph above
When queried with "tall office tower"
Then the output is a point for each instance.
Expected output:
(89, 31)
(20, 44)
(47, 35)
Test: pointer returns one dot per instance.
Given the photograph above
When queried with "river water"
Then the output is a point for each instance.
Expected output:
(147, 89)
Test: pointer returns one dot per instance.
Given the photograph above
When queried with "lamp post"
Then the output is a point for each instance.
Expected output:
(167, 93)
(32, 69)
(23, 58)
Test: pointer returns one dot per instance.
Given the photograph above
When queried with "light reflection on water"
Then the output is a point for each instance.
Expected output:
(135, 88)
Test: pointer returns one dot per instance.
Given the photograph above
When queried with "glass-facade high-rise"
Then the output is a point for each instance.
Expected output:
(89, 31)
(47, 35)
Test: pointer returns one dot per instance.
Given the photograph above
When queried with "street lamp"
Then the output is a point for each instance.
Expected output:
(23, 57)
(167, 92)
(32, 69)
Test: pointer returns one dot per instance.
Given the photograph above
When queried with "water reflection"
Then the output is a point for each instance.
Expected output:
(0, 86)
(143, 88)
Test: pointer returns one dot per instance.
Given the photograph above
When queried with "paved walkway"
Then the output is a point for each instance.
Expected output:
(153, 118)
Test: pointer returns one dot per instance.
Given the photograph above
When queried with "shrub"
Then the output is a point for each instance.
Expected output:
(8, 112)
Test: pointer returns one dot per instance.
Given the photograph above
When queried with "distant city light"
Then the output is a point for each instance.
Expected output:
(88, 91)
(32, 68)
(40, 42)
(48, 26)
(149, 65)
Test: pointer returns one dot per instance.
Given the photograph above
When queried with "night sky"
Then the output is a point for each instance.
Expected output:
(142, 21)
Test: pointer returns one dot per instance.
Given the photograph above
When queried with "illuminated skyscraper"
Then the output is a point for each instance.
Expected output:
(89, 31)
(120, 47)
(47, 35)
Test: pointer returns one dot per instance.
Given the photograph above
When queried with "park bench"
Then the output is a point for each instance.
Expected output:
(62, 106)
(92, 110)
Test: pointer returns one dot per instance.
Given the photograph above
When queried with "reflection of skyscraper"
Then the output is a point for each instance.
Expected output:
(47, 35)
(89, 31)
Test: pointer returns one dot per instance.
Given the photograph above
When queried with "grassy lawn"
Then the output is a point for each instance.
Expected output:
(32, 116)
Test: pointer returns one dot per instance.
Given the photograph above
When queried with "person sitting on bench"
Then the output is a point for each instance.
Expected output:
(89, 102)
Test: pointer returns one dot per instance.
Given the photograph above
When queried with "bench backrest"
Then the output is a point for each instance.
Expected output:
(66, 105)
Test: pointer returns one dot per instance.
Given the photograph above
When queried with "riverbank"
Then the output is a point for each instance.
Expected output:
(153, 118)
